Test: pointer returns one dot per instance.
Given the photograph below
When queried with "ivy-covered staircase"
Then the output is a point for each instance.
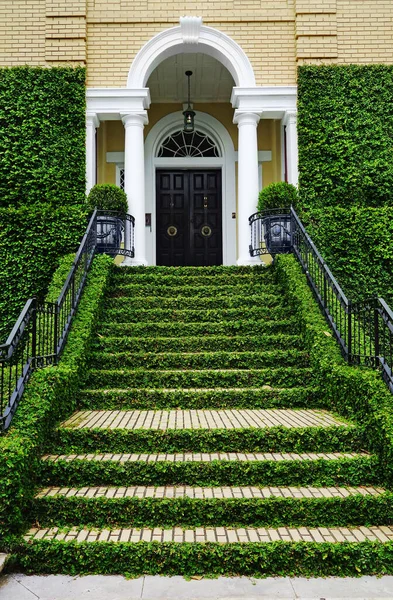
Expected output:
(202, 445)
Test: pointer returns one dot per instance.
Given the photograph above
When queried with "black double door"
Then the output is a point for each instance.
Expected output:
(189, 219)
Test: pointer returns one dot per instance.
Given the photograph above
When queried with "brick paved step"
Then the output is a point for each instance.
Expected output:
(162, 315)
(187, 506)
(200, 360)
(146, 398)
(213, 301)
(206, 430)
(208, 275)
(210, 469)
(198, 343)
(202, 551)
(202, 378)
(222, 535)
(201, 419)
(241, 326)
(185, 290)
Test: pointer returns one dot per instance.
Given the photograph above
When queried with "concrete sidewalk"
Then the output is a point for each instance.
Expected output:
(99, 587)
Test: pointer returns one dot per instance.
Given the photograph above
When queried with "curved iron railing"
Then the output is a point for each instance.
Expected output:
(40, 332)
(364, 330)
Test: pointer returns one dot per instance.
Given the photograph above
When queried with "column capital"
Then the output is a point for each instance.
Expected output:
(92, 119)
(246, 118)
(135, 118)
(290, 117)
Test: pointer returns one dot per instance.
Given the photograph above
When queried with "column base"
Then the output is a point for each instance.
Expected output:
(134, 262)
(251, 261)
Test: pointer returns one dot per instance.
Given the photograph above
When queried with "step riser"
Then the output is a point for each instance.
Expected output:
(217, 512)
(217, 360)
(198, 344)
(180, 329)
(284, 377)
(272, 439)
(156, 399)
(216, 301)
(344, 472)
(127, 314)
(134, 290)
(256, 559)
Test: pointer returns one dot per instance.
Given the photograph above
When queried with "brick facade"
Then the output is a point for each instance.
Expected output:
(276, 35)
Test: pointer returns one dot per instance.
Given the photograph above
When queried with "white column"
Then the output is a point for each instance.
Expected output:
(134, 180)
(92, 122)
(248, 182)
(290, 121)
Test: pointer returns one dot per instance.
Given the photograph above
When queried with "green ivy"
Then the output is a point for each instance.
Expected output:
(345, 128)
(32, 238)
(50, 395)
(42, 136)
(254, 559)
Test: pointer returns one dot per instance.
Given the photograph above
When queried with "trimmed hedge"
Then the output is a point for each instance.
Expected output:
(254, 559)
(32, 238)
(50, 395)
(345, 126)
(110, 513)
(42, 136)
(357, 393)
(361, 470)
(270, 439)
(356, 243)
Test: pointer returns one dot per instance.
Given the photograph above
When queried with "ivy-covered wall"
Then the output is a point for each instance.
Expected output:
(345, 129)
(42, 136)
(42, 179)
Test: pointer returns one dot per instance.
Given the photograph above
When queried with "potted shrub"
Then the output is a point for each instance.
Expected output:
(108, 197)
(278, 195)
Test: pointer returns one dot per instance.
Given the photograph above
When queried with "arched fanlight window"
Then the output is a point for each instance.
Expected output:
(181, 144)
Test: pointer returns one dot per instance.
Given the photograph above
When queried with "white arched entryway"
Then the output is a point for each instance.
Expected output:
(249, 101)
(226, 162)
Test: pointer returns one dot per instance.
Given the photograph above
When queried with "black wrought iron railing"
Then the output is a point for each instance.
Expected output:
(364, 330)
(39, 335)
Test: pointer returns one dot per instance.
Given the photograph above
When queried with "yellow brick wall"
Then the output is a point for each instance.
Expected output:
(277, 35)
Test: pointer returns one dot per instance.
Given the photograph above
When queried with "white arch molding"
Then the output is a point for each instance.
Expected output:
(190, 37)
(226, 162)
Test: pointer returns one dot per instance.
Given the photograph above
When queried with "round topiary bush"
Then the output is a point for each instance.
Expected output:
(107, 197)
(278, 195)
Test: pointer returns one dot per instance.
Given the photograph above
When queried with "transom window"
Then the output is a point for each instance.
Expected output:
(181, 144)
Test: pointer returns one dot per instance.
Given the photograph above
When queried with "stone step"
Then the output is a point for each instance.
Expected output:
(212, 301)
(283, 377)
(201, 419)
(246, 327)
(188, 315)
(226, 492)
(203, 469)
(185, 290)
(150, 398)
(218, 359)
(197, 343)
(220, 535)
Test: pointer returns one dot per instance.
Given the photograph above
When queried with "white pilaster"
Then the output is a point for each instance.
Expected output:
(134, 180)
(92, 122)
(290, 121)
(248, 183)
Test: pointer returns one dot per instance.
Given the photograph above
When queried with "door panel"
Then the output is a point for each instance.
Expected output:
(189, 219)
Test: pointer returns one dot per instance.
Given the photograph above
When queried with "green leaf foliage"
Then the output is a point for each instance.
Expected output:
(50, 395)
(32, 238)
(277, 195)
(107, 196)
(42, 136)
(345, 128)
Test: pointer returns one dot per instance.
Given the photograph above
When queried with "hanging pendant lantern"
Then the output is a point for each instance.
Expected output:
(188, 114)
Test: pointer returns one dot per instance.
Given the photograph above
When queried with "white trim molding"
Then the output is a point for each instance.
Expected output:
(270, 102)
(172, 41)
(290, 122)
(92, 122)
(110, 103)
(216, 130)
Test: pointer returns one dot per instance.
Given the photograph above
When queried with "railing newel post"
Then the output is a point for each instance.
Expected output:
(56, 331)
(34, 332)
(349, 344)
(376, 332)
